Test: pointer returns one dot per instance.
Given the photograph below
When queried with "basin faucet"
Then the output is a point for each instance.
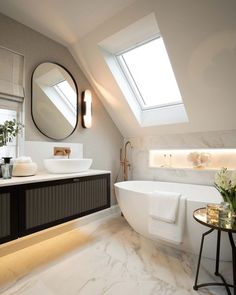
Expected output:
(62, 151)
(125, 163)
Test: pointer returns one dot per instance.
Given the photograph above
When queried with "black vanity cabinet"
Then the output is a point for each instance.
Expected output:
(45, 204)
(8, 214)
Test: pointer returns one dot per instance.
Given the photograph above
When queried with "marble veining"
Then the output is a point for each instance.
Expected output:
(103, 257)
(139, 155)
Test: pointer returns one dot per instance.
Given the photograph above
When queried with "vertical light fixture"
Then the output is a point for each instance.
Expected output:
(86, 109)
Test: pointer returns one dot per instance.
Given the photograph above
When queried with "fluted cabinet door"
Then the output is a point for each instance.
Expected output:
(55, 202)
(8, 216)
(5, 225)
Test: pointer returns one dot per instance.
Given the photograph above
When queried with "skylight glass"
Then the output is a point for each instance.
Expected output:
(67, 92)
(150, 75)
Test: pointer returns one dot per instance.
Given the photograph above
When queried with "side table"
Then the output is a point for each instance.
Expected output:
(200, 215)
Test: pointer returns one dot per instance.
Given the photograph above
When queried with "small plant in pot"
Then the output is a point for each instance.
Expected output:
(225, 183)
(8, 131)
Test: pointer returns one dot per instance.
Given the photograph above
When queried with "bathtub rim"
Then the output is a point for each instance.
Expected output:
(122, 185)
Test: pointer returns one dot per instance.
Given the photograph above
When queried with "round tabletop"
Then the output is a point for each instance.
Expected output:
(200, 215)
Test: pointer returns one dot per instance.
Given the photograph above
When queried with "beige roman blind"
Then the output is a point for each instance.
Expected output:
(11, 75)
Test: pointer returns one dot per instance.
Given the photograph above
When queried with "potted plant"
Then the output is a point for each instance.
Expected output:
(225, 183)
(8, 131)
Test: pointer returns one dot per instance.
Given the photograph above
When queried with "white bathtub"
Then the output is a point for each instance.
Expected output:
(133, 202)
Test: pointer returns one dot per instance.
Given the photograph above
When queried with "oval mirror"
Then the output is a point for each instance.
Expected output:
(54, 101)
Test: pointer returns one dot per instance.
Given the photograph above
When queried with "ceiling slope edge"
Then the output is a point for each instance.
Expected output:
(102, 93)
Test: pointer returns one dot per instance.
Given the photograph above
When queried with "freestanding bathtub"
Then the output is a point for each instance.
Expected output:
(133, 201)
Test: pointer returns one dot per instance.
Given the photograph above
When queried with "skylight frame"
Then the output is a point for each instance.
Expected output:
(131, 81)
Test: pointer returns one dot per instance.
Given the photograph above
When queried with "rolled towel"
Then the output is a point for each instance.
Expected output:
(23, 159)
(164, 205)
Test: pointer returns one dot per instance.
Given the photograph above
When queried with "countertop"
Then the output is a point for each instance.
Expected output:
(44, 176)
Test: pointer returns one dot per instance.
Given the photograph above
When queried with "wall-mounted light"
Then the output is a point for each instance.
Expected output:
(86, 109)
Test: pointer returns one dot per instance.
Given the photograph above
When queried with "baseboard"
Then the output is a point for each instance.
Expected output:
(113, 210)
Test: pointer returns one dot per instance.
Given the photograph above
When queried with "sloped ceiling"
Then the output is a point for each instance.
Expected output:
(200, 37)
(65, 21)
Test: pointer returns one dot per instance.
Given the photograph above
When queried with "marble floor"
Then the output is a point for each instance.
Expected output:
(103, 257)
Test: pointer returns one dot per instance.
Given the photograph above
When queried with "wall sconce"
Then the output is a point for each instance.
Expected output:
(86, 109)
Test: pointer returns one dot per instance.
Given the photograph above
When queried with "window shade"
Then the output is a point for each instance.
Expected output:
(11, 75)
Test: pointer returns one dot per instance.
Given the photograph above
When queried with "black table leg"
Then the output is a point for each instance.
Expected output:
(217, 253)
(217, 263)
(195, 287)
(234, 260)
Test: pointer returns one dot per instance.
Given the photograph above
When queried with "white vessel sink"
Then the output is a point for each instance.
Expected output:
(67, 165)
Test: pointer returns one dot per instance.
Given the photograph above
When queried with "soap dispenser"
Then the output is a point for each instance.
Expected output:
(6, 168)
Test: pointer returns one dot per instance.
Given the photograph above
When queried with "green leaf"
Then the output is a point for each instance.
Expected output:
(9, 130)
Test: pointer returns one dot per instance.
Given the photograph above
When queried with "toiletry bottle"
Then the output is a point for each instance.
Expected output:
(6, 168)
(170, 160)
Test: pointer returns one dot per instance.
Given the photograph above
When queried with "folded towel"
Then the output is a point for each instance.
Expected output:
(171, 232)
(164, 205)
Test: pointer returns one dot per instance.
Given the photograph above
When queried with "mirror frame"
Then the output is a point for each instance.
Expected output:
(77, 105)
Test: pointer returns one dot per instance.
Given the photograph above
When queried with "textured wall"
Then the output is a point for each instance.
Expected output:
(139, 155)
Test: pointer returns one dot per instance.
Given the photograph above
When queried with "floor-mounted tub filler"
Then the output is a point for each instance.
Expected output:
(135, 199)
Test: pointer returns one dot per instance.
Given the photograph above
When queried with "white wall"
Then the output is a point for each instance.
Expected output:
(201, 43)
(200, 37)
(40, 150)
(103, 141)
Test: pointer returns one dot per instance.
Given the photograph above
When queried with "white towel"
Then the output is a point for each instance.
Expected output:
(23, 159)
(171, 232)
(164, 205)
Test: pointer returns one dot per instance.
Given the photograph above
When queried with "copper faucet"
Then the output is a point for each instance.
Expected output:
(62, 151)
(125, 163)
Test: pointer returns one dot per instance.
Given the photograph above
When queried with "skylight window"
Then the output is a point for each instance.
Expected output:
(150, 75)
(67, 93)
